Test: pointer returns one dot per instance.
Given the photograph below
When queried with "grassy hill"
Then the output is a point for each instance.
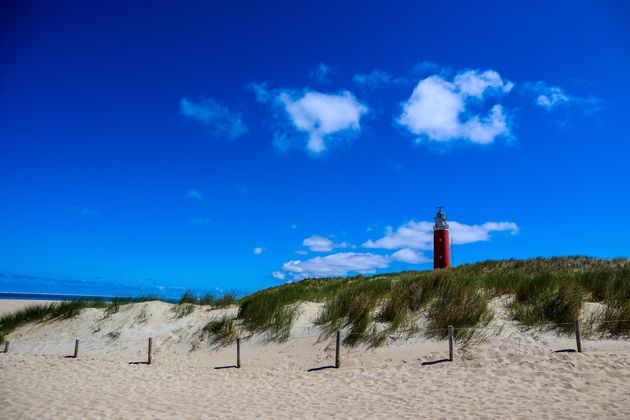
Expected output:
(544, 291)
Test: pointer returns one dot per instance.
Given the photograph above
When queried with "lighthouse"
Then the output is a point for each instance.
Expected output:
(441, 253)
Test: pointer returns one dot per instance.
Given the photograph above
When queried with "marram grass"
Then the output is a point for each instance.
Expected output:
(369, 309)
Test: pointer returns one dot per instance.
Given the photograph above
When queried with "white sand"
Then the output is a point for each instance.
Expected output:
(514, 374)
(11, 305)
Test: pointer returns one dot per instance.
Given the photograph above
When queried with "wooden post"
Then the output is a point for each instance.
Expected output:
(450, 343)
(338, 351)
(149, 359)
(578, 340)
(238, 352)
(76, 348)
(6, 346)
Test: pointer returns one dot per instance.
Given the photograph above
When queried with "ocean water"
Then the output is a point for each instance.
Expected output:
(52, 296)
(63, 297)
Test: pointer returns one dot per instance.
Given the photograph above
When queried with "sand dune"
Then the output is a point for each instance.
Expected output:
(516, 373)
(11, 305)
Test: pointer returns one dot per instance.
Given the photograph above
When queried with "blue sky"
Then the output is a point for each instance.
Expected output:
(148, 147)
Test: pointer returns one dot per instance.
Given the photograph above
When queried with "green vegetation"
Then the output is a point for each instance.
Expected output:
(370, 309)
(114, 306)
(113, 335)
(218, 302)
(221, 332)
(457, 301)
(38, 313)
(555, 304)
(183, 309)
(188, 297)
(407, 297)
(269, 313)
(545, 290)
(209, 299)
(226, 300)
(616, 296)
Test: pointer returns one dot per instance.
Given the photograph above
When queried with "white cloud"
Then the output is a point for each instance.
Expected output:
(279, 275)
(475, 84)
(376, 78)
(408, 240)
(409, 256)
(193, 194)
(553, 97)
(419, 235)
(440, 110)
(318, 243)
(336, 265)
(220, 119)
(415, 235)
(321, 73)
(301, 252)
(258, 250)
(323, 117)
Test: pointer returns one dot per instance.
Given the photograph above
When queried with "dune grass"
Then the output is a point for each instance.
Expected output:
(616, 296)
(558, 305)
(353, 307)
(368, 309)
(459, 302)
(218, 302)
(221, 332)
(38, 313)
(408, 295)
(69, 309)
(116, 302)
(270, 314)
(546, 291)
(188, 297)
(209, 299)
(183, 309)
(395, 302)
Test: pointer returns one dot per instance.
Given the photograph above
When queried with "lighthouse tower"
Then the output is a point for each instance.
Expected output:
(441, 253)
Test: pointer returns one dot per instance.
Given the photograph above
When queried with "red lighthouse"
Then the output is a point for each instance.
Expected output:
(441, 253)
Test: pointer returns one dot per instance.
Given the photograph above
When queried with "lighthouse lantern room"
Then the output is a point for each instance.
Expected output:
(441, 253)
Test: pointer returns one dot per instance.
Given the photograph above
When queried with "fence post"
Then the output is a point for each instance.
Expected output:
(6, 346)
(76, 348)
(450, 343)
(578, 340)
(149, 358)
(338, 351)
(238, 352)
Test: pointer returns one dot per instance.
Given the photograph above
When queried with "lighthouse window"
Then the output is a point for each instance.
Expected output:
(440, 239)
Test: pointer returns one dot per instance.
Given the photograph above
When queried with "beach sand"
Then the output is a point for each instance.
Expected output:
(11, 305)
(515, 373)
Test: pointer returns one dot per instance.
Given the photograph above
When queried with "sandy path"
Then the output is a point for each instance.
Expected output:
(553, 385)
(514, 374)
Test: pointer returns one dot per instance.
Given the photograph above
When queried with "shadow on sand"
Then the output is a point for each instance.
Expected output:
(434, 362)
(565, 351)
(317, 369)
(226, 367)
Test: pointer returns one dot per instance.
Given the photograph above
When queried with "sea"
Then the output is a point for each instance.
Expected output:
(62, 297)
